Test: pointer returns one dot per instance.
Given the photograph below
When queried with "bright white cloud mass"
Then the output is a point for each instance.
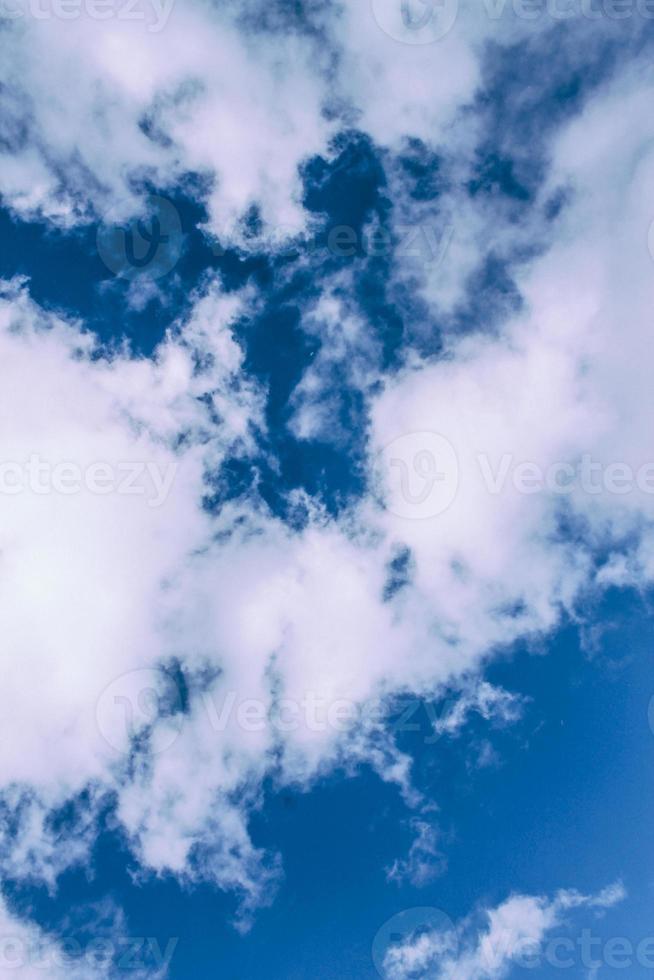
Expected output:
(271, 646)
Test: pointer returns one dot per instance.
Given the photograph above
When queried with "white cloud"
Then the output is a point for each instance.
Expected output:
(84, 94)
(513, 937)
(85, 574)
(564, 380)
(425, 861)
(27, 952)
(490, 702)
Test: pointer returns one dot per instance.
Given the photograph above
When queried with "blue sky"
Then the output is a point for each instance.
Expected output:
(326, 483)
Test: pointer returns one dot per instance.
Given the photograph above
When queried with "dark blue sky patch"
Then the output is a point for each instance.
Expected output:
(283, 16)
(344, 192)
(349, 187)
(67, 272)
(422, 167)
(532, 87)
(496, 175)
(398, 573)
(491, 296)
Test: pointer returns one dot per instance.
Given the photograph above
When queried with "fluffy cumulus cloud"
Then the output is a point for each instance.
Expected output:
(103, 476)
(93, 109)
(170, 656)
(543, 425)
